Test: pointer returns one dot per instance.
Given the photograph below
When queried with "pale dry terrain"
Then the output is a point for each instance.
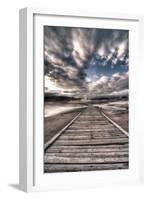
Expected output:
(55, 123)
(118, 111)
(55, 108)
(57, 115)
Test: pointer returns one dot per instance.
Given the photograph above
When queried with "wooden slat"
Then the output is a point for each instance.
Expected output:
(107, 146)
(91, 142)
(92, 130)
(77, 137)
(96, 127)
(103, 133)
(90, 122)
(86, 150)
(83, 167)
(92, 135)
(88, 154)
(88, 160)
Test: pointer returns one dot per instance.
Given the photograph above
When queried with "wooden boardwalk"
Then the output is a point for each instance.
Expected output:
(91, 142)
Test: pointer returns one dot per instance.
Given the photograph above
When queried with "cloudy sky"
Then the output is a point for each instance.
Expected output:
(85, 61)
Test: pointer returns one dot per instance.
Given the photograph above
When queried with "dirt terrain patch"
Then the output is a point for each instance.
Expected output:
(118, 112)
(55, 123)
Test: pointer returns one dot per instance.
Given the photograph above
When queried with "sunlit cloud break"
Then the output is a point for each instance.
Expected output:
(86, 61)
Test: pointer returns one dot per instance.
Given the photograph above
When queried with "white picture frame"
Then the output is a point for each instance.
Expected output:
(31, 137)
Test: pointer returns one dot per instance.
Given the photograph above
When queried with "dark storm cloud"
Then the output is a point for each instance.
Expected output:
(68, 52)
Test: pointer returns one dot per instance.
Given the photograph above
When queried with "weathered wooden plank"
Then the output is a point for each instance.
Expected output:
(83, 167)
(98, 128)
(107, 146)
(91, 115)
(95, 124)
(125, 139)
(88, 154)
(93, 130)
(85, 150)
(90, 122)
(77, 137)
(93, 127)
(100, 132)
(58, 159)
(91, 142)
(91, 135)
(90, 130)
